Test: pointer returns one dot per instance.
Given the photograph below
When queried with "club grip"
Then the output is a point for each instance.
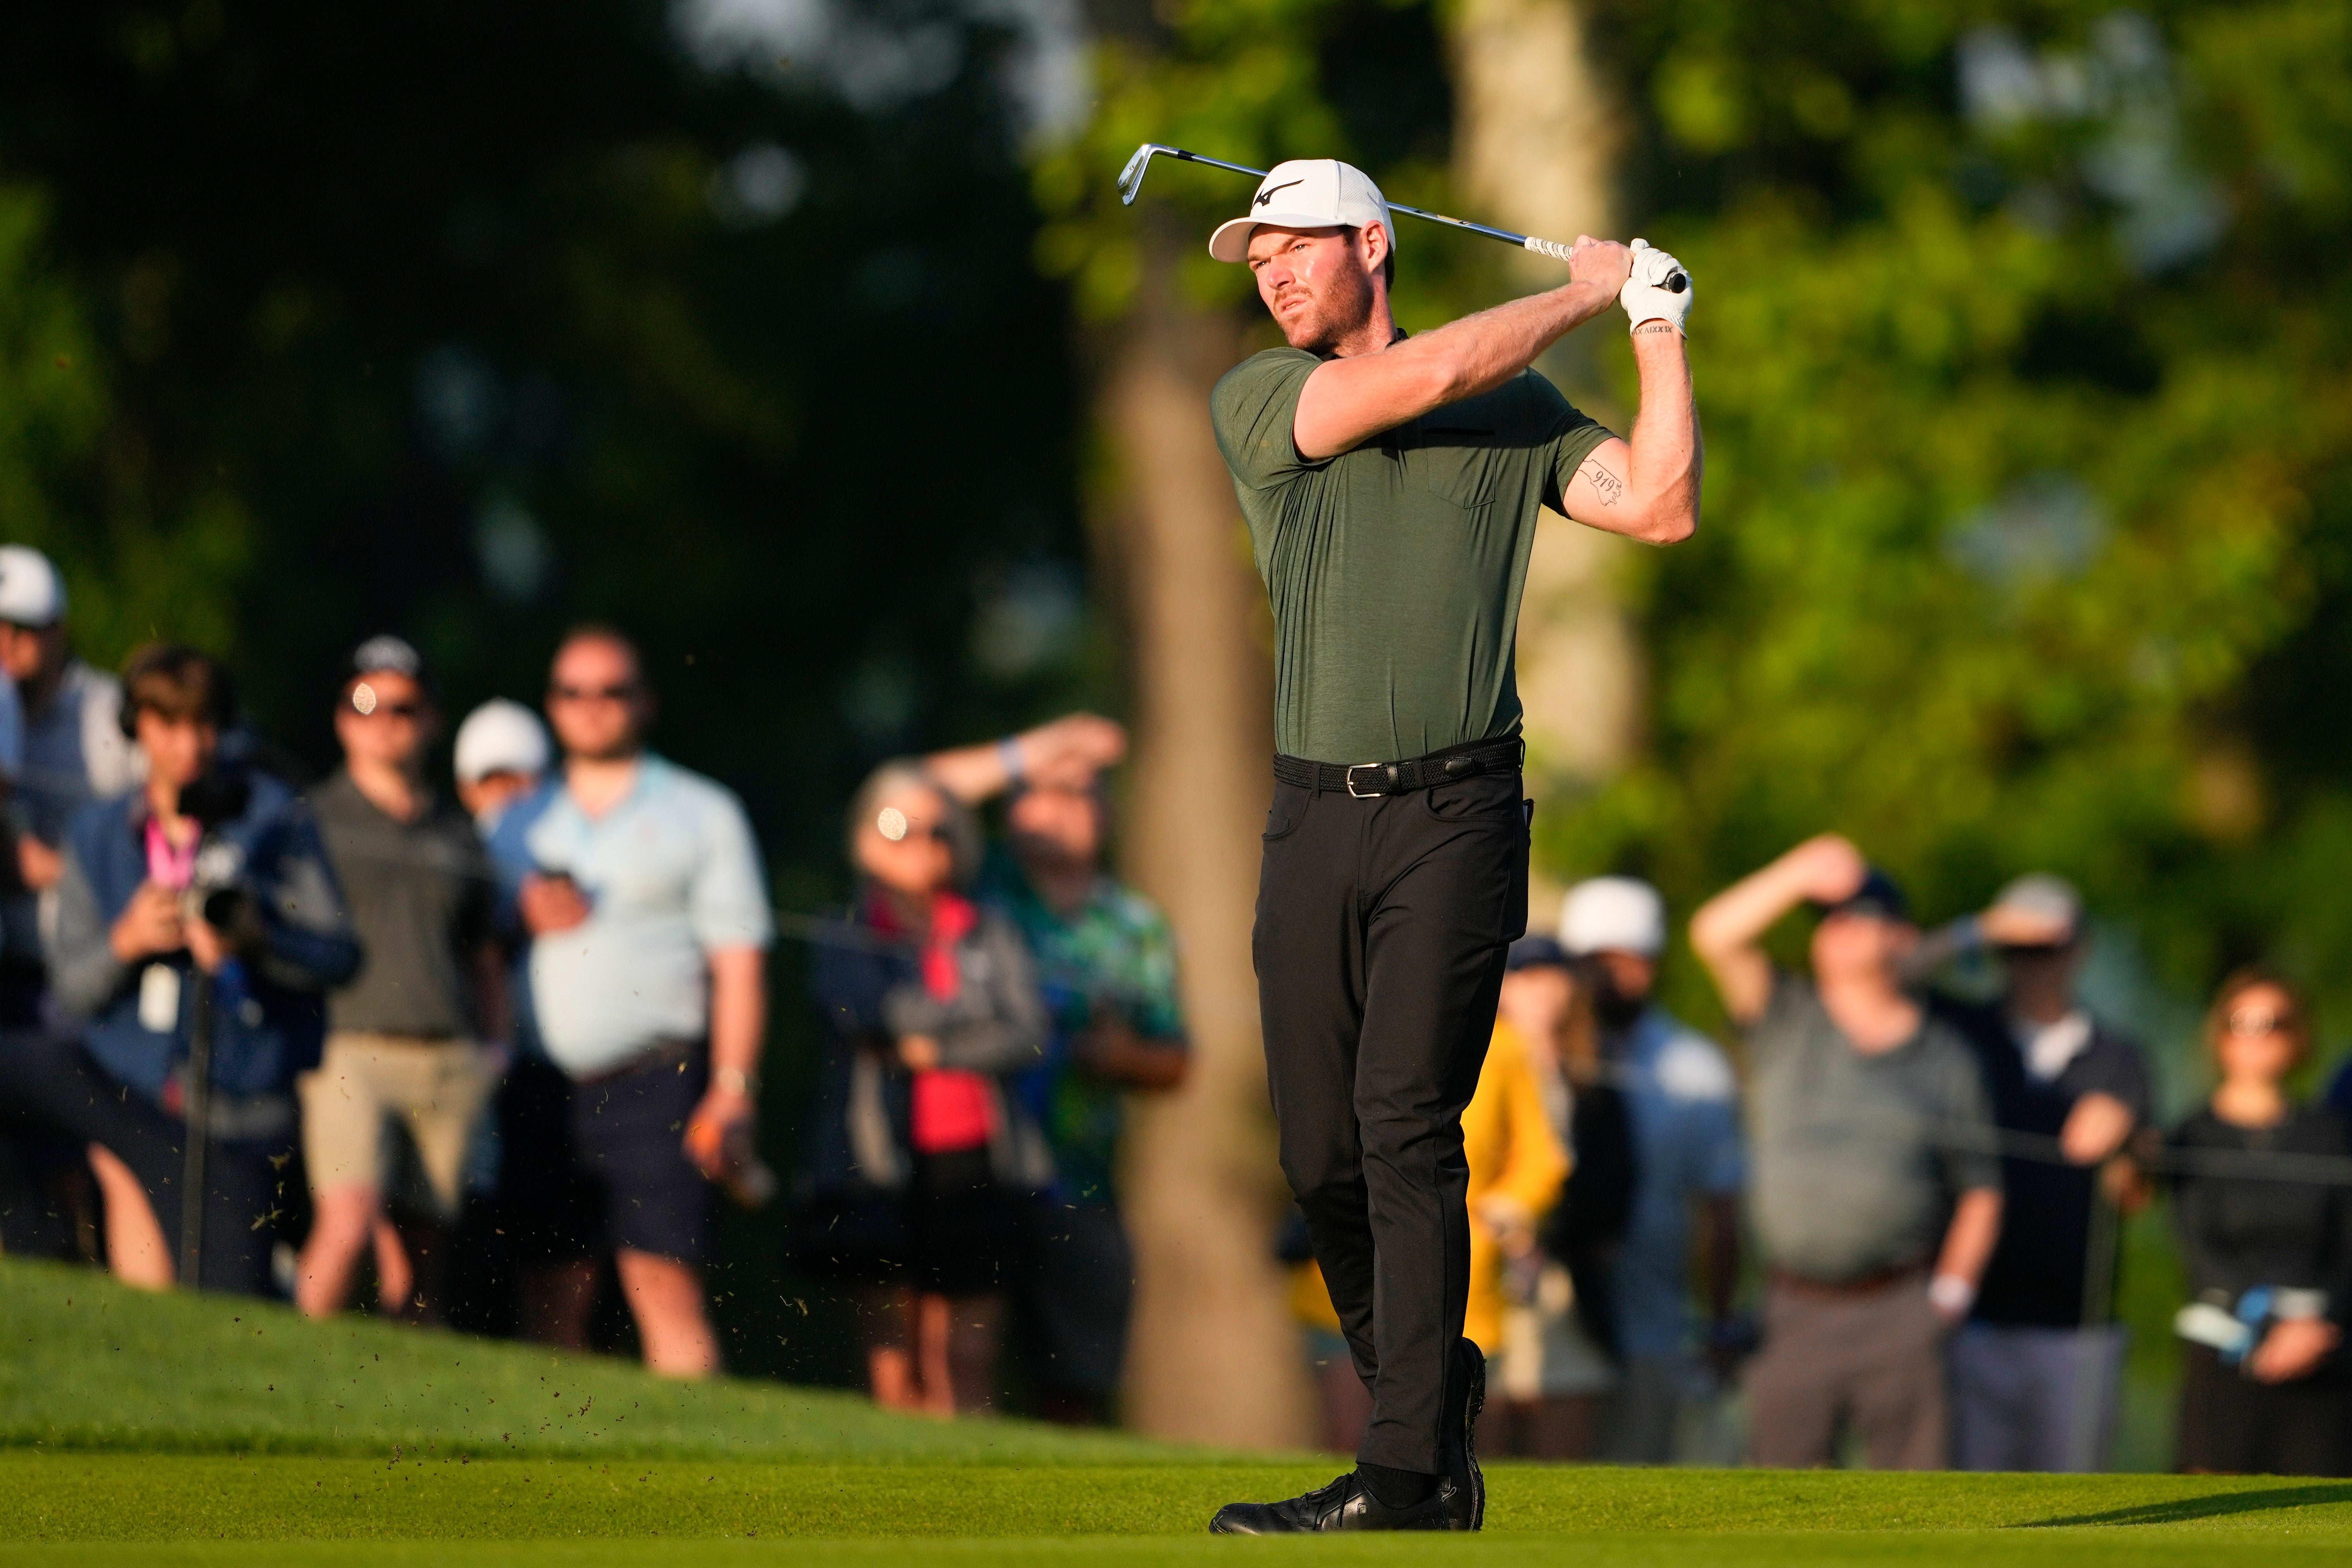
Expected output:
(1677, 281)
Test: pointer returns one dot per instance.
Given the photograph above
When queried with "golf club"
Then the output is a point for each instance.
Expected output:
(1131, 182)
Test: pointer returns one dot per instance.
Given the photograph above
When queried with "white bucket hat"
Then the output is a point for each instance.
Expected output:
(1307, 193)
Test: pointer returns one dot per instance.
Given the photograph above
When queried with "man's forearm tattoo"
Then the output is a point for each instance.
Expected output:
(1606, 485)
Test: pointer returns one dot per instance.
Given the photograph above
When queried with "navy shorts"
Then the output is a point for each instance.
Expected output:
(599, 1166)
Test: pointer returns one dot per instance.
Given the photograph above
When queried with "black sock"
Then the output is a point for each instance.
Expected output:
(1395, 1488)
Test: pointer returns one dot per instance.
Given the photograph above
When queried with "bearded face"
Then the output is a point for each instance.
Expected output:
(1317, 283)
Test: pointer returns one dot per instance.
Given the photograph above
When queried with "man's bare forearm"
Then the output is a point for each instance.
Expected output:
(738, 1010)
(1347, 401)
(1667, 456)
(1970, 1239)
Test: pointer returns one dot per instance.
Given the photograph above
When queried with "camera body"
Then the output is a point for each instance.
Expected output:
(220, 893)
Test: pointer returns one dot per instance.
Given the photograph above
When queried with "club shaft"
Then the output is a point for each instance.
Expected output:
(1489, 230)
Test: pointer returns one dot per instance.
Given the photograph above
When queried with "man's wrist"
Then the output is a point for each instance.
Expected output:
(1952, 1294)
(734, 1079)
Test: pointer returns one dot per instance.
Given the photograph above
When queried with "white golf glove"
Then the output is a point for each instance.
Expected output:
(1645, 295)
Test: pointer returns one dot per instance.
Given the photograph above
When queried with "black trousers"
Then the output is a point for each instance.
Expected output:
(1381, 928)
(2232, 1424)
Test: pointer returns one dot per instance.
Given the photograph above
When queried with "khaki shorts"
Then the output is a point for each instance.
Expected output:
(439, 1089)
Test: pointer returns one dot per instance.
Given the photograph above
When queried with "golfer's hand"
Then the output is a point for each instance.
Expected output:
(2293, 1348)
(1644, 294)
(1827, 869)
(919, 1053)
(149, 923)
(1601, 261)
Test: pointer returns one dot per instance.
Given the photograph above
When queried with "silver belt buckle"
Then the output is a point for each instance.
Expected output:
(1363, 794)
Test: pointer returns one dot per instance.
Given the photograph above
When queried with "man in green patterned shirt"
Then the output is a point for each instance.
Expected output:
(1107, 963)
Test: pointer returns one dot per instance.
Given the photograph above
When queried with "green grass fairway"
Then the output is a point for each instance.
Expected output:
(138, 1429)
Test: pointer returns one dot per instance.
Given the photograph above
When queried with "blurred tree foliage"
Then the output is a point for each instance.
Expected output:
(2020, 352)
(469, 321)
(2020, 349)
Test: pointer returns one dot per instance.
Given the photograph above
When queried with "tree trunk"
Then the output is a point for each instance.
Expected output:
(1536, 138)
(1214, 1357)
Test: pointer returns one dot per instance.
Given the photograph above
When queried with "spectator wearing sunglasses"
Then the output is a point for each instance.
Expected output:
(411, 1055)
(2036, 1370)
(649, 920)
(2264, 1388)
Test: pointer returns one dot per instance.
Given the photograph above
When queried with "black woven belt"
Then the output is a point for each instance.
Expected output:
(1366, 780)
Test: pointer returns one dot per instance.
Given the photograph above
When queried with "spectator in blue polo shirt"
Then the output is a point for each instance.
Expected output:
(650, 919)
(1682, 1104)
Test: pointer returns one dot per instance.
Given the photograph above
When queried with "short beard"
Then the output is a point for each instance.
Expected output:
(1341, 313)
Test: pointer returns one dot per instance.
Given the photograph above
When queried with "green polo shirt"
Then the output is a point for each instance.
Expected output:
(1395, 570)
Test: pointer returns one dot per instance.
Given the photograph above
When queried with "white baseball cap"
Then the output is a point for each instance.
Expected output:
(31, 592)
(2040, 897)
(500, 737)
(1307, 193)
(1614, 915)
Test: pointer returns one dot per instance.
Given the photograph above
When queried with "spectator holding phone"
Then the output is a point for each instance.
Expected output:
(649, 920)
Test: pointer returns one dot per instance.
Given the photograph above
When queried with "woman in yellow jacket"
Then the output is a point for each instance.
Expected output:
(1516, 1166)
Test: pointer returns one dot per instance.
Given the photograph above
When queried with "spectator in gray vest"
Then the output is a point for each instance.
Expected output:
(413, 1040)
(1877, 1190)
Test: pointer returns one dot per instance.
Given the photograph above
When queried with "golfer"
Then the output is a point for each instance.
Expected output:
(1392, 487)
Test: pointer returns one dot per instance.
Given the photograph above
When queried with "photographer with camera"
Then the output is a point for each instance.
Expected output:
(197, 911)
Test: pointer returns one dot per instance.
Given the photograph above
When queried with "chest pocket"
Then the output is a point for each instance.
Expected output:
(1454, 453)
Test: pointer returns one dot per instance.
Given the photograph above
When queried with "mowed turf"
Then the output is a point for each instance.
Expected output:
(137, 1429)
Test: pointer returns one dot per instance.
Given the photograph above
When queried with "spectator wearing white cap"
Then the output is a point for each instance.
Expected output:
(61, 741)
(2036, 1370)
(1681, 1102)
(501, 755)
(61, 746)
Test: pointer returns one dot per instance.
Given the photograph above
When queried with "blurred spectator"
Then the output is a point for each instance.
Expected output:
(920, 1157)
(1682, 1101)
(651, 1008)
(1556, 1363)
(2036, 1370)
(2265, 1389)
(206, 872)
(1106, 965)
(1877, 1192)
(412, 1040)
(72, 751)
(1516, 1164)
(501, 756)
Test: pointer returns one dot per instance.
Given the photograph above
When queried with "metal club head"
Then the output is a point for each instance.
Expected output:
(1131, 179)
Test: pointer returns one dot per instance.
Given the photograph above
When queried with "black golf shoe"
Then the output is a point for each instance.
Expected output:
(1466, 1487)
(1344, 1504)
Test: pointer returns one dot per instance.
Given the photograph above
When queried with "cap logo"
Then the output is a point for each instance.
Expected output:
(1268, 194)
